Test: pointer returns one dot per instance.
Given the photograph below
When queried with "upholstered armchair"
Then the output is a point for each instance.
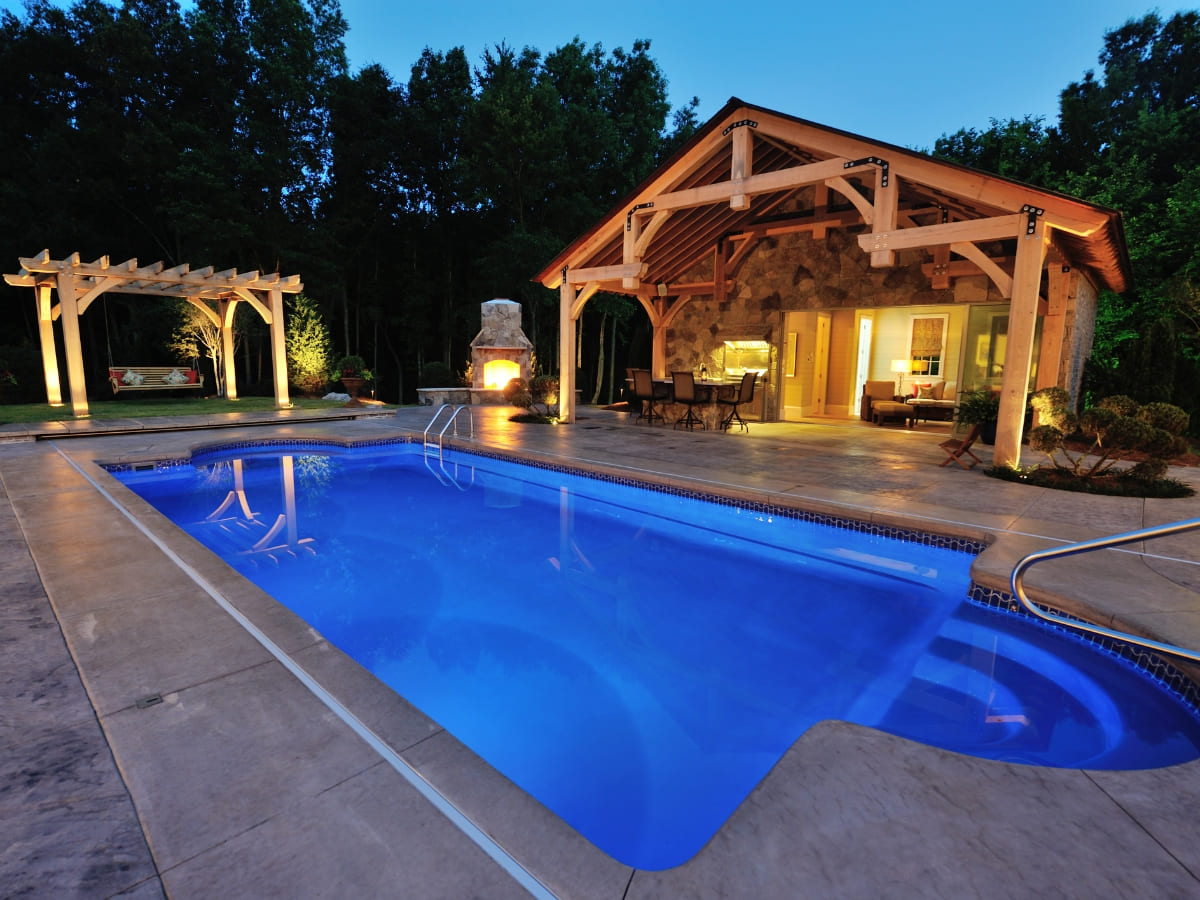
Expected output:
(872, 391)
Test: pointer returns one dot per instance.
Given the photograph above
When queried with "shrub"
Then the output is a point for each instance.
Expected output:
(309, 349)
(517, 393)
(436, 374)
(1116, 429)
(978, 408)
(540, 397)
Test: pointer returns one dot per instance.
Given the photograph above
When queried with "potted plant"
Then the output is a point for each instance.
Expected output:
(981, 408)
(352, 371)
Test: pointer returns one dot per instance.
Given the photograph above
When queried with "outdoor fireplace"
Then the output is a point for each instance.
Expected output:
(500, 352)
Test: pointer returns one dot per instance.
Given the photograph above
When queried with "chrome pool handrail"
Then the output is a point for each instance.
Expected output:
(453, 420)
(1018, 577)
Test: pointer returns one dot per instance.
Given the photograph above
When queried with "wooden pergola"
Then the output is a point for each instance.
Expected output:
(216, 294)
(737, 182)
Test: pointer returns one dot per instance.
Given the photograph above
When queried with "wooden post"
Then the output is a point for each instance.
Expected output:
(49, 352)
(225, 311)
(68, 305)
(566, 351)
(886, 207)
(742, 165)
(279, 350)
(1054, 326)
(658, 342)
(1018, 358)
(719, 257)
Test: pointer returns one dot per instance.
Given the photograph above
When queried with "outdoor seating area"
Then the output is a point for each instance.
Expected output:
(882, 403)
(934, 402)
(682, 401)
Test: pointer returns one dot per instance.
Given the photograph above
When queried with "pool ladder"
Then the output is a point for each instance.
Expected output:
(434, 441)
(1128, 537)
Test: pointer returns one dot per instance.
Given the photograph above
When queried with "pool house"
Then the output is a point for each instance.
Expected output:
(823, 260)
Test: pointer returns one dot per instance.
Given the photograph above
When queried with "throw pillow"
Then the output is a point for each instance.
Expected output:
(175, 377)
(132, 378)
(925, 393)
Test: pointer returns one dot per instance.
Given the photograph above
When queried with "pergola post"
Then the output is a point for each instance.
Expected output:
(566, 351)
(1018, 359)
(279, 350)
(69, 313)
(49, 352)
(225, 310)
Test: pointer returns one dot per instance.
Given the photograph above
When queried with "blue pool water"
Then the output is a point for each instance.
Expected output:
(636, 660)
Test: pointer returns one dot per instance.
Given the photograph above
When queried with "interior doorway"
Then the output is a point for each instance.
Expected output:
(862, 367)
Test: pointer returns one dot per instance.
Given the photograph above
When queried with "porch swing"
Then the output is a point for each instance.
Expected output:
(148, 378)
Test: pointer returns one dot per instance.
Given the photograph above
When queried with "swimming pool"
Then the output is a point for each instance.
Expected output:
(638, 660)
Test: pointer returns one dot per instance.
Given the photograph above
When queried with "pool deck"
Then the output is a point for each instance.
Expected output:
(168, 730)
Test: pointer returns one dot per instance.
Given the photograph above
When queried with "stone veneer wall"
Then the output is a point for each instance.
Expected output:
(798, 272)
(1080, 331)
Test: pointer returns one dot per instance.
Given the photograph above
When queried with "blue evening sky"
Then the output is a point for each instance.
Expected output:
(902, 72)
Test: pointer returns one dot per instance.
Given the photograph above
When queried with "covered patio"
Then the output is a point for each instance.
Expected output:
(216, 294)
(838, 260)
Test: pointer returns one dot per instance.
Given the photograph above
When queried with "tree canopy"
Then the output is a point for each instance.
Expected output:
(1127, 137)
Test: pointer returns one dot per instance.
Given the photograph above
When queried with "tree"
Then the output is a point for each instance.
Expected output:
(197, 336)
(1017, 149)
(309, 350)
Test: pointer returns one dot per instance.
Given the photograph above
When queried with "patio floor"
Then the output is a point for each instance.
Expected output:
(274, 766)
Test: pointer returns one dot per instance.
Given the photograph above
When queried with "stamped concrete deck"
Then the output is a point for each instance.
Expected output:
(274, 766)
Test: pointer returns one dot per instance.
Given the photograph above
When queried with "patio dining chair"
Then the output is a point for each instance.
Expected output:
(685, 393)
(645, 390)
(744, 395)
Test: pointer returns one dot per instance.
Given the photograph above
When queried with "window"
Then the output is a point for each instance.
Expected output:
(927, 345)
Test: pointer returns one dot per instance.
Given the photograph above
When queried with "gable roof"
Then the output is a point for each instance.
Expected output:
(682, 210)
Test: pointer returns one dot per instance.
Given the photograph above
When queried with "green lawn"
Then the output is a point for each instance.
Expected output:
(148, 407)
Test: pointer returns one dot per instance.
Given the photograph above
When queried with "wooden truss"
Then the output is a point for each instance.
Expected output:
(216, 294)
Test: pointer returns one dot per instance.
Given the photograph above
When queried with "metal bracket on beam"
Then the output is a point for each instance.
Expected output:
(744, 122)
(629, 215)
(873, 160)
(1031, 217)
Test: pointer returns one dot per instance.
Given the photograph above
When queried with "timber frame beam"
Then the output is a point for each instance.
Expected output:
(79, 284)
